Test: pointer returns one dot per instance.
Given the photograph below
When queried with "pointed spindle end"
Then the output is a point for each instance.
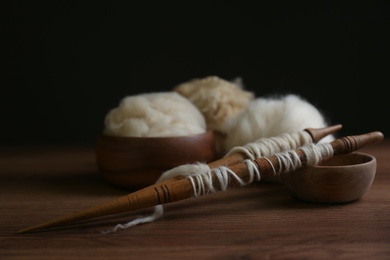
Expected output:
(30, 229)
(318, 133)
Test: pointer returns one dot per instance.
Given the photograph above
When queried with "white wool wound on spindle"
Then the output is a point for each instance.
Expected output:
(159, 114)
(267, 117)
(184, 170)
(288, 161)
(268, 146)
(202, 183)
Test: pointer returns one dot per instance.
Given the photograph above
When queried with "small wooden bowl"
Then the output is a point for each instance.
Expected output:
(340, 179)
(136, 162)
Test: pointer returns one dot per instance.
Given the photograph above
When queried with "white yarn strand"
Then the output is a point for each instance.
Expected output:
(317, 153)
(158, 212)
(288, 161)
(254, 172)
(272, 166)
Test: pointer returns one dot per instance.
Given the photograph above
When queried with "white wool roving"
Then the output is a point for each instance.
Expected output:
(217, 99)
(154, 115)
(268, 117)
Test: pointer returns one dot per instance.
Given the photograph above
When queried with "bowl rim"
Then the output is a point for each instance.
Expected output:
(117, 137)
(370, 159)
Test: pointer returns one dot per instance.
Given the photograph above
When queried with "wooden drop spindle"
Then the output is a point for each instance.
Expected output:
(171, 191)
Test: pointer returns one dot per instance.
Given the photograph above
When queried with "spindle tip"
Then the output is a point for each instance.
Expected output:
(318, 133)
(40, 227)
(369, 138)
(29, 230)
(377, 136)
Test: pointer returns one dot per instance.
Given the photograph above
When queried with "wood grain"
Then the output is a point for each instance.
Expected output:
(261, 221)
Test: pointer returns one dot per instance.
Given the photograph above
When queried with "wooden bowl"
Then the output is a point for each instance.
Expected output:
(137, 162)
(340, 179)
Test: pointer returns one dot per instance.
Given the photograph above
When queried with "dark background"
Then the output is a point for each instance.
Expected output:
(67, 64)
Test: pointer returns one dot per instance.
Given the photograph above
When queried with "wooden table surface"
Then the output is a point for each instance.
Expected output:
(261, 221)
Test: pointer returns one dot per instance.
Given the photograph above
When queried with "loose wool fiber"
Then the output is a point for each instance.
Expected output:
(160, 114)
(267, 117)
(217, 99)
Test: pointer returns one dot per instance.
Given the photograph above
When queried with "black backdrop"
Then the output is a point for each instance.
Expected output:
(67, 64)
